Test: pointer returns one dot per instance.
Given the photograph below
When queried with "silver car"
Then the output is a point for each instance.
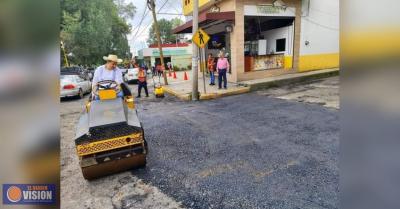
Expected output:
(131, 75)
(73, 85)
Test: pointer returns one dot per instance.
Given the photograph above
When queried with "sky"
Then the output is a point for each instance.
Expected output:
(142, 30)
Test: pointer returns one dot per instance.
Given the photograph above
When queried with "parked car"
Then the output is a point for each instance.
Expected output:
(90, 73)
(124, 70)
(74, 85)
(131, 75)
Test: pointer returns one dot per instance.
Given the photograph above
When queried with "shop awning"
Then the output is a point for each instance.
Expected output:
(205, 18)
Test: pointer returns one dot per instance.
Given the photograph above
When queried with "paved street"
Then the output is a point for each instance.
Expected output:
(324, 92)
(275, 148)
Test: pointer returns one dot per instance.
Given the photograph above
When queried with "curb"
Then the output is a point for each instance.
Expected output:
(286, 81)
(184, 97)
(187, 97)
(224, 94)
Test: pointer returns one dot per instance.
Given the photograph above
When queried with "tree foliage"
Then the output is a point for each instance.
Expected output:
(93, 29)
(165, 27)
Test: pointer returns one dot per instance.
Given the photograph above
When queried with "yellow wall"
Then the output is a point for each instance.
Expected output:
(288, 62)
(318, 61)
(187, 9)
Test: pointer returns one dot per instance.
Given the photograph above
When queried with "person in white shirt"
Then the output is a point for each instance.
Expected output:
(108, 71)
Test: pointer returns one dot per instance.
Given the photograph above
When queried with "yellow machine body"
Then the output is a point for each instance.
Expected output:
(130, 102)
(109, 144)
(159, 91)
(105, 94)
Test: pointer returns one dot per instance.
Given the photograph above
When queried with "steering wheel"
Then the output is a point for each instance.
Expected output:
(107, 84)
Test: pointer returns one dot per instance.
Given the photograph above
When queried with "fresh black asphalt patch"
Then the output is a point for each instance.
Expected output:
(246, 151)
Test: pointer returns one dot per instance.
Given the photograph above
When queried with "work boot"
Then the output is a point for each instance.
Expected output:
(147, 95)
(137, 96)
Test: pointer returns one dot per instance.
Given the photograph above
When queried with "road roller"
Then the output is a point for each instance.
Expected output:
(109, 136)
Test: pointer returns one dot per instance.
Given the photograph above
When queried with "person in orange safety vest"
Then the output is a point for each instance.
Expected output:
(142, 82)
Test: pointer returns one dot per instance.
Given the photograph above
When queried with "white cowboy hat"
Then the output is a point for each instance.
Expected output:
(112, 57)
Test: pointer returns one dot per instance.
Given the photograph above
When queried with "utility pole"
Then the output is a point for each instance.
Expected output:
(152, 6)
(195, 87)
(65, 54)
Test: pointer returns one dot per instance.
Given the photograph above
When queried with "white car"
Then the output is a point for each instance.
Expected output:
(131, 75)
(73, 85)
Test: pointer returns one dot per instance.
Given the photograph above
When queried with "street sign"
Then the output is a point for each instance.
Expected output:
(200, 38)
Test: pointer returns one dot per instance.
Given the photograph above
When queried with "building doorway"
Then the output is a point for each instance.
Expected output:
(166, 60)
(268, 43)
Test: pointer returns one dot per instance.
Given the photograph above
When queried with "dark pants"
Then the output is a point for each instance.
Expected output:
(222, 74)
(143, 85)
(125, 89)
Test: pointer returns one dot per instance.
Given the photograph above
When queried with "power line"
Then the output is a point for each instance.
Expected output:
(141, 20)
(320, 25)
(147, 27)
(323, 12)
(308, 19)
(144, 29)
(166, 13)
(151, 24)
(162, 6)
(173, 6)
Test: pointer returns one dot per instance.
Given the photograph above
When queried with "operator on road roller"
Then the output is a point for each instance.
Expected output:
(109, 136)
(108, 71)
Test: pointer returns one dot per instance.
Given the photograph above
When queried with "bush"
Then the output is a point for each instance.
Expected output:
(175, 68)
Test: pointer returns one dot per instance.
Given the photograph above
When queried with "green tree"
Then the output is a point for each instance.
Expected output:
(166, 27)
(95, 28)
(126, 11)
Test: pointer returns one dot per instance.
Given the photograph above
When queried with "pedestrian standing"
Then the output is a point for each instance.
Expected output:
(169, 65)
(142, 82)
(210, 64)
(158, 69)
(154, 70)
(222, 67)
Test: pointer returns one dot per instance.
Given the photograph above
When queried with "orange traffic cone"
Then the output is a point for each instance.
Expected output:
(174, 75)
(185, 77)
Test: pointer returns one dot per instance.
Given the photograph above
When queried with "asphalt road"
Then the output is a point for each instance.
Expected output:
(245, 151)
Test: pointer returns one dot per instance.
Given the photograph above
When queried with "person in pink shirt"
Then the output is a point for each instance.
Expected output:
(222, 67)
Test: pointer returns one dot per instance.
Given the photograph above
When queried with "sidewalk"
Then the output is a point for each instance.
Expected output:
(183, 88)
(288, 78)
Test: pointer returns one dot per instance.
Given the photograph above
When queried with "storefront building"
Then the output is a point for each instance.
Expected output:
(270, 37)
(180, 55)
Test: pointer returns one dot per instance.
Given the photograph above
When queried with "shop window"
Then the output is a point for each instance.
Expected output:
(281, 45)
(217, 41)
